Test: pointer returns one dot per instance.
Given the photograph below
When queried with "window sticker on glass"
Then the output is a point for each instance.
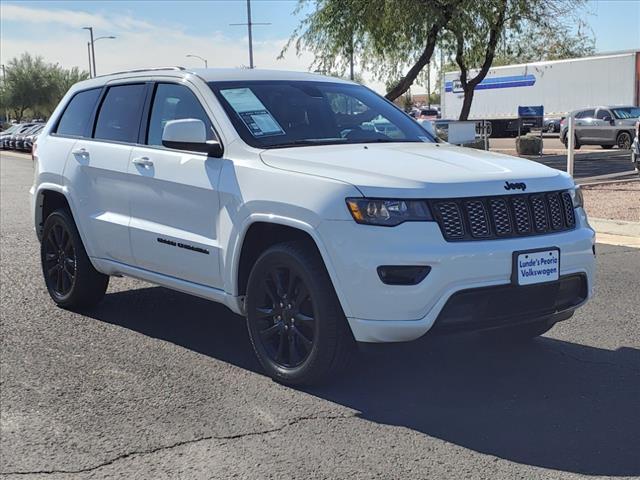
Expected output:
(253, 113)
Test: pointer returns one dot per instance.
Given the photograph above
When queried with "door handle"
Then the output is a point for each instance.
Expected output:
(80, 152)
(143, 162)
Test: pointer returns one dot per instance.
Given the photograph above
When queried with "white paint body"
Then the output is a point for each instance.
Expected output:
(561, 86)
(121, 208)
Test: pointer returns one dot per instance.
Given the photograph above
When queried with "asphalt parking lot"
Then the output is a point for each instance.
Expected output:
(155, 384)
(590, 160)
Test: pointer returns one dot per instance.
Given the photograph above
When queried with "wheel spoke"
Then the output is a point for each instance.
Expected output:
(271, 331)
(277, 281)
(305, 341)
(52, 242)
(57, 232)
(53, 270)
(59, 276)
(264, 312)
(67, 280)
(281, 343)
(294, 280)
(50, 257)
(301, 317)
(271, 292)
(294, 358)
(301, 294)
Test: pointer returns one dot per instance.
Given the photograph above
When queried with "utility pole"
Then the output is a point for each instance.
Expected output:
(93, 52)
(89, 55)
(4, 85)
(429, 85)
(249, 25)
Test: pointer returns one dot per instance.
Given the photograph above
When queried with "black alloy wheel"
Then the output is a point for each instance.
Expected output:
(70, 277)
(295, 321)
(59, 260)
(285, 316)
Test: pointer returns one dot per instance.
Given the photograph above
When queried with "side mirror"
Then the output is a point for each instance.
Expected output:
(189, 134)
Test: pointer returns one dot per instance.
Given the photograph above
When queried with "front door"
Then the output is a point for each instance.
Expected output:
(175, 204)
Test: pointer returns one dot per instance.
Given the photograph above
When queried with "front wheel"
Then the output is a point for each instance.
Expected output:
(298, 330)
(71, 279)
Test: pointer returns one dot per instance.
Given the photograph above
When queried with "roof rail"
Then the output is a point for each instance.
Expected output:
(139, 70)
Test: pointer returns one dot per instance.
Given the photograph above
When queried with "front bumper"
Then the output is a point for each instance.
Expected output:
(389, 313)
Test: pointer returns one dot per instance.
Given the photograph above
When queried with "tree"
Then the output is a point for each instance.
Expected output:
(391, 38)
(34, 86)
(473, 37)
(545, 42)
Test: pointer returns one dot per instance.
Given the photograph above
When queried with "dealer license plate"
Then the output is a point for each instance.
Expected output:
(538, 266)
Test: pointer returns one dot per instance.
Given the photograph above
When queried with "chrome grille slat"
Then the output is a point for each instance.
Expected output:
(504, 216)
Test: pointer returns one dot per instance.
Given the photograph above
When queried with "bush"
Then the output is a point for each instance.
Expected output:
(528, 145)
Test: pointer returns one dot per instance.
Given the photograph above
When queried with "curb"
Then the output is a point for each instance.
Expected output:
(616, 232)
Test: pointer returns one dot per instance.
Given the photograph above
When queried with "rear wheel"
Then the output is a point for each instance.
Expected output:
(298, 330)
(71, 279)
(623, 141)
(576, 143)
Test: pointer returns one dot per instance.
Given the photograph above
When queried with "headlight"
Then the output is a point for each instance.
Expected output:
(388, 213)
(576, 196)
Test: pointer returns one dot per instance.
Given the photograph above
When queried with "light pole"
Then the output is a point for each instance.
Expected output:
(249, 25)
(4, 85)
(92, 54)
(89, 54)
(206, 65)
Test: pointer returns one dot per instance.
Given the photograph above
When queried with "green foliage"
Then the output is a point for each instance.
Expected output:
(386, 37)
(536, 43)
(35, 87)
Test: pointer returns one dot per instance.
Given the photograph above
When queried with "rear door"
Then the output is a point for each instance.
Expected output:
(98, 170)
(175, 204)
(585, 125)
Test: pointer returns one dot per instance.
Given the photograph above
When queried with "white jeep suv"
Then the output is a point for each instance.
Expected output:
(310, 205)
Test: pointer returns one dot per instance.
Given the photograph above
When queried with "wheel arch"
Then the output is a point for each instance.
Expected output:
(261, 232)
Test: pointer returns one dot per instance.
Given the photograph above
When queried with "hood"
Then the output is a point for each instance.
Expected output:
(419, 170)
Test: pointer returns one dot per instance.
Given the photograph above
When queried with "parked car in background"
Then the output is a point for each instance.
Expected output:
(428, 114)
(30, 138)
(551, 125)
(7, 133)
(604, 126)
(18, 142)
(635, 147)
(9, 140)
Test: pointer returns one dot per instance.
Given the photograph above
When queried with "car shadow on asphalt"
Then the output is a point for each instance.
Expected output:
(549, 403)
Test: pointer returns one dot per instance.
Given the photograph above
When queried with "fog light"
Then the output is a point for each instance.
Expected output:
(403, 275)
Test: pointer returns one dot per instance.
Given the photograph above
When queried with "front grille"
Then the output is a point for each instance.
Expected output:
(504, 216)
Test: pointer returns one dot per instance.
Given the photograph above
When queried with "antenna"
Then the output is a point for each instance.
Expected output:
(249, 25)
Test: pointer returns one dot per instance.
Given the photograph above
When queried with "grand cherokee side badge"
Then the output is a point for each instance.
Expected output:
(515, 186)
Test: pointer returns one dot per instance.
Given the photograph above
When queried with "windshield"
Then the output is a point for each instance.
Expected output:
(275, 114)
(627, 112)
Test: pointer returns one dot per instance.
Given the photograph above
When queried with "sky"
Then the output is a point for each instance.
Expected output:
(155, 33)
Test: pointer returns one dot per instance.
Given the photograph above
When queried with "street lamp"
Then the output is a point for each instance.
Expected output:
(92, 55)
(206, 65)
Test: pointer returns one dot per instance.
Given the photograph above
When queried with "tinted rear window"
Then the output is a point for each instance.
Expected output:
(119, 116)
(76, 116)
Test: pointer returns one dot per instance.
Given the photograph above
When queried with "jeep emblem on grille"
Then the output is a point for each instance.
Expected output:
(515, 186)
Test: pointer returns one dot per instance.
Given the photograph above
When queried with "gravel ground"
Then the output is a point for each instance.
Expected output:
(615, 201)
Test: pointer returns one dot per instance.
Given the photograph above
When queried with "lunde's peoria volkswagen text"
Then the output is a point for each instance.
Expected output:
(308, 204)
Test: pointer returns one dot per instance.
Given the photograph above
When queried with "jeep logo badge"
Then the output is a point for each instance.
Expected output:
(515, 186)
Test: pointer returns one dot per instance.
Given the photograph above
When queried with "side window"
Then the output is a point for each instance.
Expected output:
(120, 113)
(586, 114)
(77, 115)
(174, 102)
(602, 114)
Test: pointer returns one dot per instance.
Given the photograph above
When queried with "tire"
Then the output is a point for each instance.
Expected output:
(606, 147)
(520, 333)
(576, 143)
(296, 325)
(71, 279)
(623, 141)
